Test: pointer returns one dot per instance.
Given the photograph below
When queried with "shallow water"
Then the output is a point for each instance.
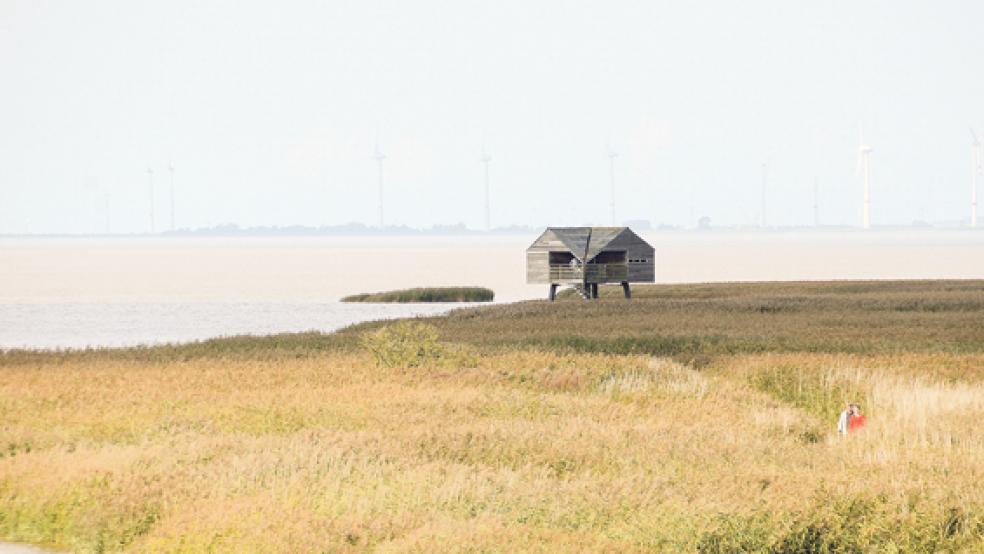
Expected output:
(78, 325)
(76, 292)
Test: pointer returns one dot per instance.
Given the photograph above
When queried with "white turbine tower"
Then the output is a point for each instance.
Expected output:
(863, 165)
(611, 160)
(91, 186)
(976, 155)
(150, 182)
(485, 159)
(379, 157)
(170, 170)
(765, 183)
(105, 206)
(816, 202)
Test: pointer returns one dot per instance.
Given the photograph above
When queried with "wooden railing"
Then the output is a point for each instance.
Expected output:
(591, 273)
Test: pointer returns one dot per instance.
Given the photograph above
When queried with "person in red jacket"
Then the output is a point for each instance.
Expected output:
(855, 419)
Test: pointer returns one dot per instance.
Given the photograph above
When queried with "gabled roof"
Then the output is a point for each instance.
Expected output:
(574, 238)
(601, 237)
(586, 242)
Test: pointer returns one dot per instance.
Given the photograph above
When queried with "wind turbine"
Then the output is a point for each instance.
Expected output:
(170, 170)
(485, 159)
(611, 159)
(90, 185)
(765, 182)
(863, 165)
(976, 155)
(379, 157)
(150, 182)
(105, 202)
(816, 202)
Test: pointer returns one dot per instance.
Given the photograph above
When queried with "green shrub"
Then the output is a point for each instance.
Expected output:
(404, 344)
(414, 344)
(818, 391)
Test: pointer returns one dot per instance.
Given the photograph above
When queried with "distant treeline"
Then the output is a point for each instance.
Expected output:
(427, 294)
(359, 229)
(351, 229)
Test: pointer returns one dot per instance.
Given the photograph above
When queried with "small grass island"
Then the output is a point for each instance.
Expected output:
(426, 294)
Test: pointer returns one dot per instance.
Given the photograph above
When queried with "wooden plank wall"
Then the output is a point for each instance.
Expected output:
(537, 266)
(636, 249)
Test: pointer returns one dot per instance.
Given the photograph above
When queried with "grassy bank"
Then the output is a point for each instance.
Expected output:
(427, 294)
(737, 318)
(694, 418)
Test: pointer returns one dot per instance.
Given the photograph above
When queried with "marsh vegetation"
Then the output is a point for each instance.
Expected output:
(426, 294)
(693, 418)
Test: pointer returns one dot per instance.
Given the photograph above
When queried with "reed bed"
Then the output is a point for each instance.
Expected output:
(317, 443)
(426, 294)
(735, 318)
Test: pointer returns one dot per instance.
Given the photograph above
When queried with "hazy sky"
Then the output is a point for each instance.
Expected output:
(269, 111)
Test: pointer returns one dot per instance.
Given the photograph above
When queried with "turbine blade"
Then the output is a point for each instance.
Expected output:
(977, 141)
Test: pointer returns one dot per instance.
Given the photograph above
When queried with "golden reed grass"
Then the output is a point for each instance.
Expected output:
(526, 451)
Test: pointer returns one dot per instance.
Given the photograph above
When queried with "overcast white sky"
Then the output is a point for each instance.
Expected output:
(269, 110)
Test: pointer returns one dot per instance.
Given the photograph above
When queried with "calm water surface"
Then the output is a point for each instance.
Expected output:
(78, 325)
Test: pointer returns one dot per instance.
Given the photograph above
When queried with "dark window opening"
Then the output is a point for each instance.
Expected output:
(560, 258)
(611, 257)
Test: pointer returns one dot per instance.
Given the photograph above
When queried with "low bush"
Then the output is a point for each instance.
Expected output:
(404, 344)
(822, 392)
(413, 344)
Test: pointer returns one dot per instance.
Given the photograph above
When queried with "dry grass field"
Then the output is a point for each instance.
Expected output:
(693, 418)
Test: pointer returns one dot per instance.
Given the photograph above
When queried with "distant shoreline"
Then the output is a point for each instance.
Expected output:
(462, 232)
